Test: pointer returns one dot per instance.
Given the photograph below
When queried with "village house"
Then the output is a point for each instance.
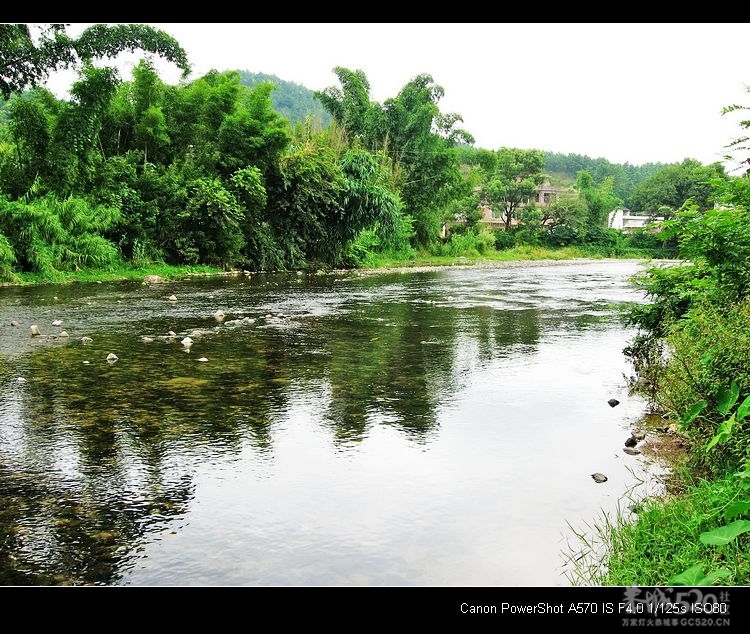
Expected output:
(545, 195)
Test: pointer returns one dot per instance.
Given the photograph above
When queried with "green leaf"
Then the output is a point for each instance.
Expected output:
(722, 434)
(735, 509)
(743, 410)
(727, 397)
(693, 413)
(725, 534)
(694, 576)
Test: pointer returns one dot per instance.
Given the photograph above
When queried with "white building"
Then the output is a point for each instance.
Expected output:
(623, 220)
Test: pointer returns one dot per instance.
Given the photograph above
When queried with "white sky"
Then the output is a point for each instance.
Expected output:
(630, 93)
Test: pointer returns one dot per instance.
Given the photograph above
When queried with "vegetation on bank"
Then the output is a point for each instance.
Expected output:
(214, 172)
(129, 271)
(692, 360)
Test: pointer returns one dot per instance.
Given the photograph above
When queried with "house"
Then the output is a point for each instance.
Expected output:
(626, 221)
(545, 195)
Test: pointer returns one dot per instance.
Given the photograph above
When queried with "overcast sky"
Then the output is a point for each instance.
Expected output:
(631, 93)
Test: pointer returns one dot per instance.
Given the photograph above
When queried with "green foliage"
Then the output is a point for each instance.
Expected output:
(49, 235)
(565, 221)
(694, 576)
(27, 58)
(600, 201)
(664, 546)
(7, 260)
(512, 181)
(195, 114)
(411, 131)
(725, 534)
(668, 189)
(254, 135)
(308, 195)
(210, 227)
(504, 239)
(30, 125)
(654, 242)
(708, 352)
(150, 127)
(473, 242)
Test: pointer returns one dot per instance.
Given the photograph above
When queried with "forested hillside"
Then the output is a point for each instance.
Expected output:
(292, 101)
(625, 177)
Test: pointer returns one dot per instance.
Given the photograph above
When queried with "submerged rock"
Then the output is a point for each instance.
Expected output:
(111, 357)
(187, 342)
(85, 340)
(599, 477)
(35, 332)
(631, 452)
(202, 359)
(13, 322)
(63, 334)
(172, 298)
(57, 322)
(145, 339)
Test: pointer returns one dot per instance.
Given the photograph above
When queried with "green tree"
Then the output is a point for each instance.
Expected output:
(350, 106)
(29, 53)
(368, 204)
(306, 193)
(669, 188)
(255, 134)
(600, 200)
(150, 129)
(421, 141)
(195, 114)
(30, 126)
(566, 221)
(414, 134)
(512, 182)
(76, 150)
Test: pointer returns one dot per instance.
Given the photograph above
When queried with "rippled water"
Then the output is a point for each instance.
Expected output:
(419, 428)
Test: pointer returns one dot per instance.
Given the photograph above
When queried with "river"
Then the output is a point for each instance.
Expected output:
(410, 428)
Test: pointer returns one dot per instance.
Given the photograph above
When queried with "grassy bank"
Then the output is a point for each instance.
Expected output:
(124, 272)
(424, 259)
(515, 254)
(668, 543)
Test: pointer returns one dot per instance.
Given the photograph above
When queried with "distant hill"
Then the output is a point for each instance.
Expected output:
(625, 177)
(293, 101)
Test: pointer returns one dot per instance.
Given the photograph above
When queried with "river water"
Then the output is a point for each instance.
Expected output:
(419, 428)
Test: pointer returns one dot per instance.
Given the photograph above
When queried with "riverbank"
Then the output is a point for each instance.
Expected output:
(518, 256)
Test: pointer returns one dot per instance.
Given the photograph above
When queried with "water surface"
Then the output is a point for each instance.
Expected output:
(412, 429)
